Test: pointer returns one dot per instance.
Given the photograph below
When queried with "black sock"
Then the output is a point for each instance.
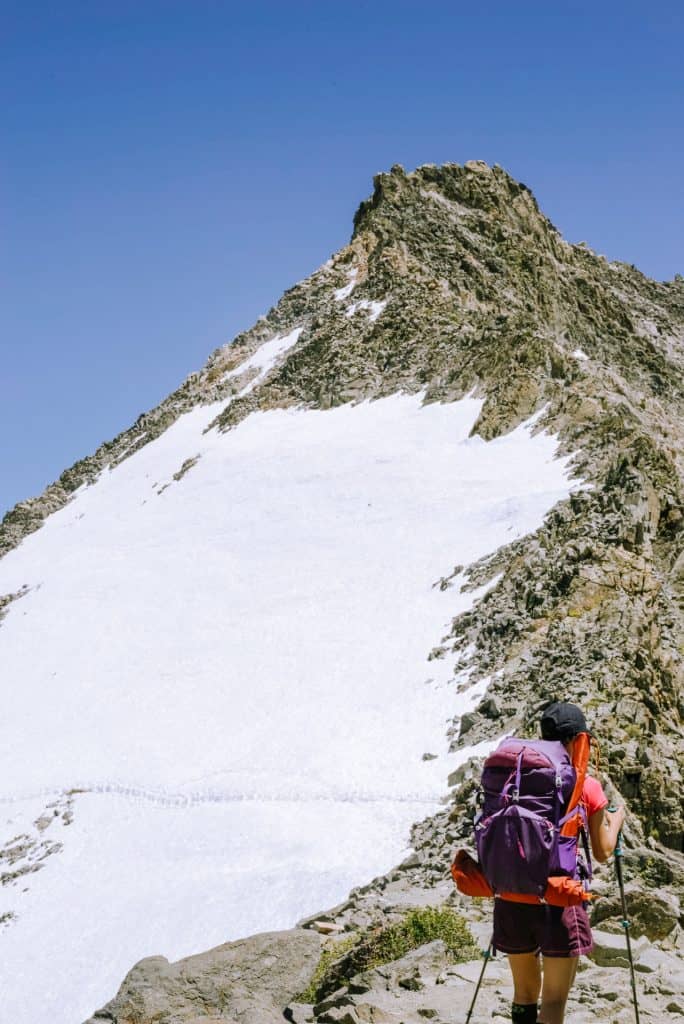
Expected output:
(524, 1013)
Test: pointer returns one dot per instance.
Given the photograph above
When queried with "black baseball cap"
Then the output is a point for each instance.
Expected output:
(562, 721)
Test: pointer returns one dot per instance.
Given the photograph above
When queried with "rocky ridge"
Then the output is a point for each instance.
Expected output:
(453, 283)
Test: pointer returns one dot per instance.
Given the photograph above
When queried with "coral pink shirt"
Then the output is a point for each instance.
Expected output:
(593, 797)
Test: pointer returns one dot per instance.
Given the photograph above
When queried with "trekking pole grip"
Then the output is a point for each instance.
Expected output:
(618, 846)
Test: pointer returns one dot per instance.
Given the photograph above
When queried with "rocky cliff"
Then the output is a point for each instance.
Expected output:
(453, 283)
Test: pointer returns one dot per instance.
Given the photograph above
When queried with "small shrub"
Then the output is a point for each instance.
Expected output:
(421, 925)
(382, 945)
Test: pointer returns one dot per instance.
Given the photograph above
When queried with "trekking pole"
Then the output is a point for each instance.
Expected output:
(625, 920)
(487, 954)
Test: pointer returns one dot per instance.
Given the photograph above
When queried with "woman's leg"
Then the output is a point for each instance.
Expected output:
(558, 976)
(526, 971)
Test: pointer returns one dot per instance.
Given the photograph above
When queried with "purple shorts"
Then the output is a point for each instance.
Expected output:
(529, 928)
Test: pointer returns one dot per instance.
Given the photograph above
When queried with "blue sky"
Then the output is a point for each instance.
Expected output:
(167, 169)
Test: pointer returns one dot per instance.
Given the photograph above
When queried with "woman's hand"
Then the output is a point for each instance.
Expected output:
(604, 827)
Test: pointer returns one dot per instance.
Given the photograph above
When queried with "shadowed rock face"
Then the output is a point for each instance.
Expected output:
(454, 282)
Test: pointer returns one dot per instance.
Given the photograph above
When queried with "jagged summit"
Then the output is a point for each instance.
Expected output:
(473, 184)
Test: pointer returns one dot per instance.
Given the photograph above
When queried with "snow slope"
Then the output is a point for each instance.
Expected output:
(234, 666)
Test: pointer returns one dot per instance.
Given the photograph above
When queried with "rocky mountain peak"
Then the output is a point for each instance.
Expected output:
(471, 187)
(454, 283)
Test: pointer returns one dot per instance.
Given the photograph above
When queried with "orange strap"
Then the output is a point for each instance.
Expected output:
(580, 761)
(519, 897)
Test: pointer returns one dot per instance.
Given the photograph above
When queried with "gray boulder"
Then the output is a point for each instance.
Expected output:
(610, 950)
(245, 982)
(654, 914)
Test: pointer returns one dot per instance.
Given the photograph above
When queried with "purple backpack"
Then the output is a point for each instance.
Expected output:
(526, 786)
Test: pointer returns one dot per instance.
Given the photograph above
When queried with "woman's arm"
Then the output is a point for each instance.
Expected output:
(604, 826)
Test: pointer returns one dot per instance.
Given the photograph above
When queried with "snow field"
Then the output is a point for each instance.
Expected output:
(138, 879)
(253, 640)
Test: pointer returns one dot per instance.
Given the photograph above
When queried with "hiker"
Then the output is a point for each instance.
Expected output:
(560, 934)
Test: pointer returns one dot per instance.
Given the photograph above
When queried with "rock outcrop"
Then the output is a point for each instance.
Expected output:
(248, 981)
